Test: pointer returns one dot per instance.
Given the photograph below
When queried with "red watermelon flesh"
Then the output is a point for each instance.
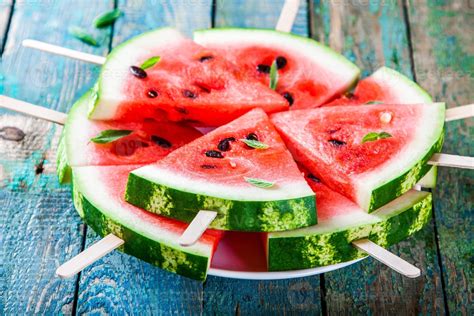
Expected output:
(329, 142)
(189, 83)
(309, 74)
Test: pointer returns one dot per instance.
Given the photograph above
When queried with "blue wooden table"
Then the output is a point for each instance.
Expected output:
(428, 40)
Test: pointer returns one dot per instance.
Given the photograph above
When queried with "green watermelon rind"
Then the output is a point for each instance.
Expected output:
(263, 216)
(318, 50)
(63, 169)
(189, 262)
(406, 84)
(325, 245)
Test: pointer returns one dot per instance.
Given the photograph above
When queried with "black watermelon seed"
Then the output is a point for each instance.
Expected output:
(224, 145)
(252, 136)
(208, 166)
(214, 154)
(138, 72)
(337, 143)
(314, 178)
(263, 69)
(205, 58)
(289, 98)
(160, 141)
(281, 62)
(152, 94)
(189, 94)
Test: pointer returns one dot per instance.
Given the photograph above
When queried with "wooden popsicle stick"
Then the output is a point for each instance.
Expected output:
(454, 161)
(459, 112)
(287, 16)
(89, 256)
(197, 227)
(32, 110)
(62, 51)
(386, 257)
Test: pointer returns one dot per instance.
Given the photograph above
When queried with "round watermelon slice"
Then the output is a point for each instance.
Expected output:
(149, 140)
(309, 74)
(98, 197)
(389, 86)
(368, 153)
(242, 170)
(340, 222)
(188, 83)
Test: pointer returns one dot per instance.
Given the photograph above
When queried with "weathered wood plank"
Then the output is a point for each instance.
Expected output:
(39, 227)
(444, 63)
(121, 284)
(6, 7)
(372, 35)
(227, 296)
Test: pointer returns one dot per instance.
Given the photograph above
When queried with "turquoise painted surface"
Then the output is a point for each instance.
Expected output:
(39, 227)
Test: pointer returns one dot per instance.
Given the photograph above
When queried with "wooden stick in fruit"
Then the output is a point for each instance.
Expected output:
(196, 228)
(287, 16)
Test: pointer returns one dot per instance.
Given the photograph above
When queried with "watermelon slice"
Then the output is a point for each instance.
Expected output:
(189, 83)
(148, 142)
(334, 144)
(98, 197)
(340, 222)
(251, 189)
(389, 86)
(309, 74)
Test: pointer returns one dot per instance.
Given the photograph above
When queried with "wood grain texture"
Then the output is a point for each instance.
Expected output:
(373, 35)
(118, 283)
(39, 227)
(5, 12)
(444, 63)
(229, 296)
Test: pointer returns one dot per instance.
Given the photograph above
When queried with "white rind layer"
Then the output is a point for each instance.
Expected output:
(428, 131)
(245, 192)
(88, 181)
(115, 71)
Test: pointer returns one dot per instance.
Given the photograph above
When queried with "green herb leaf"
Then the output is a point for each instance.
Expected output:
(373, 136)
(150, 62)
(273, 75)
(83, 36)
(107, 18)
(374, 102)
(254, 143)
(260, 183)
(110, 135)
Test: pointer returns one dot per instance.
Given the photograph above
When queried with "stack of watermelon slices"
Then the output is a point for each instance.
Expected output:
(145, 184)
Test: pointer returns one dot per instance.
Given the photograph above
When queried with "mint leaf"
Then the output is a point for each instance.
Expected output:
(254, 143)
(110, 135)
(273, 75)
(373, 136)
(150, 62)
(374, 102)
(107, 18)
(83, 36)
(259, 183)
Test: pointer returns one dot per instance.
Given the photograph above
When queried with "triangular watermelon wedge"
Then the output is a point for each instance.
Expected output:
(188, 83)
(98, 197)
(251, 189)
(309, 73)
(368, 153)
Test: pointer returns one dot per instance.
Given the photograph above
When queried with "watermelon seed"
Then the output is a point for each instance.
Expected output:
(385, 117)
(337, 143)
(205, 58)
(265, 69)
(152, 93)
(138, 72)
(314, 178)
(208, 166)
(252, 136)
(189, 94)
(281, 62)
(163, 143)
(224, 145)
(214, 154)
(289, 98)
